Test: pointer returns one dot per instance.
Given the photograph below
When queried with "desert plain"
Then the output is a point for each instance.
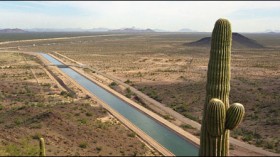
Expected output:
(36, 100)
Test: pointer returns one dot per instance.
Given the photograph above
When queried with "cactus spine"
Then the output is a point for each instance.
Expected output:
(42, 147)
(218, 117)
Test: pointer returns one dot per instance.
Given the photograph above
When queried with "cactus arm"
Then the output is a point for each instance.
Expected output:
(235, 114)
(216, 117)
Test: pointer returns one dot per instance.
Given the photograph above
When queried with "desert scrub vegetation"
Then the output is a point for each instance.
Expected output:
(83, 145)
(129, 93)
(119, 53)
(27, 146)
(151, 92)
(62, 120)
(253, 137)
(113, 84)
(67, 94)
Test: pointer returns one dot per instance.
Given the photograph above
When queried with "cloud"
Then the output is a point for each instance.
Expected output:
(39, 20)
(170, 15)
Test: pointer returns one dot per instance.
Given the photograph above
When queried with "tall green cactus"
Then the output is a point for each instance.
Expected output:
(42, 146)
(218, 117)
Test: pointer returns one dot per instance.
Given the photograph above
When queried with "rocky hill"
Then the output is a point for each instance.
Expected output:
(238, 41)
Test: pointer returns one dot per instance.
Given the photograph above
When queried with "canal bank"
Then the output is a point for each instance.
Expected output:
(193, 139)
(167, 134)
(118, 116)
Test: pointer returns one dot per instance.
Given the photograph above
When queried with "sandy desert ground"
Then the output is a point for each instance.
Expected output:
(160, 65)
(33, 104)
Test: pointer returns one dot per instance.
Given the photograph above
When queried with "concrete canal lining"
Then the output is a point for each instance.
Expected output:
(170, 136)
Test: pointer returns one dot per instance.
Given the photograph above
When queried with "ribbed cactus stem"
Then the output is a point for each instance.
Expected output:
(235, 114)
(42, 147)
(218, 76)
(218, 86)
(216, 117)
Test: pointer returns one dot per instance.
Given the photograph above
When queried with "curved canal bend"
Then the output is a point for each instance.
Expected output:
(167, 138)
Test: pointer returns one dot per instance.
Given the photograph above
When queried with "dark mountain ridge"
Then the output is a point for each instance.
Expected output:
(238, 41)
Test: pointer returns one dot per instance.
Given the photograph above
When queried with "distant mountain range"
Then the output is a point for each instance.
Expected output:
(15, 30)
(102, 29)
(67, 30)
(272, 31)
(186, 30)
(129, 30)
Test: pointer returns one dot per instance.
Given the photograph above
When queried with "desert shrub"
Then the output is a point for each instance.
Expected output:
(98, 148)
(18, 121)
(113, 84)
(259, 142)
(128, 81)
(87, 97)
(270, 145)
(63, 93)
(186, 126)
(102, 125)
(88, 114)
(128, 93)
(70, 94)
(67, 94)
(153, 94)
(82, 121)
(40, 105)
(190, 116)
(247, 137)
(131, 134)
(46, 84)
(167, 117)
(83, 145)
(128, 90)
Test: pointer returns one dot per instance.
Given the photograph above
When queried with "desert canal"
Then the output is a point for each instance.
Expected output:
(176, 144)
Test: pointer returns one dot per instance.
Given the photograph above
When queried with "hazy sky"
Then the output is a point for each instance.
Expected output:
(251, 16)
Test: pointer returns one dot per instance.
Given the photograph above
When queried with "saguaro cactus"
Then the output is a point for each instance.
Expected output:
(42, 147)
(218, 117)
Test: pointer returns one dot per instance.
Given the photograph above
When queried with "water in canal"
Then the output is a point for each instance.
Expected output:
(167, 138)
